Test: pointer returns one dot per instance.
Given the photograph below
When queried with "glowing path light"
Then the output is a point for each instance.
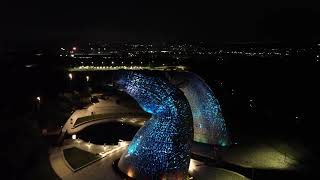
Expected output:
(208, 122)
(161, 148)
(110, 152)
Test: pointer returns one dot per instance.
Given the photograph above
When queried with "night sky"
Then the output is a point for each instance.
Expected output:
(56, 22)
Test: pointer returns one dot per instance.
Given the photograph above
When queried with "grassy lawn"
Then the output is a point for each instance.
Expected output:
(109, 115)
(77, 157)
(261, 156)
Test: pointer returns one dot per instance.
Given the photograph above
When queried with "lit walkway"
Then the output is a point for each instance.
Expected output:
(58, 163)
(259, 156)
(102, 169)
(110, 154)
(102, 107)
(98, 170)
(202, 172)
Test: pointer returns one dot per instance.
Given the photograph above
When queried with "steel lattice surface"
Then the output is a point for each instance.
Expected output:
(208, 122)
(161, 148)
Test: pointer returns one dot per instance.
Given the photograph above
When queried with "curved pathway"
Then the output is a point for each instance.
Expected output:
(108, 106)
(96, 170)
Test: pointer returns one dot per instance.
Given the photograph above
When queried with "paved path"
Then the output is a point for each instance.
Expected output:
(259, 156)
(202, 172)
(58, 164)
(100, 168)
(102, 107)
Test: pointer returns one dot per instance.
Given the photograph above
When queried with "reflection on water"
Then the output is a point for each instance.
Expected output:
(108, 133)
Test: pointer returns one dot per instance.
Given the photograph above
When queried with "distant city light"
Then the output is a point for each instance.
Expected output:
(29, 65)
(112, 62)
(232, 91)
(87, 78)
(74, 48)
(38, 99)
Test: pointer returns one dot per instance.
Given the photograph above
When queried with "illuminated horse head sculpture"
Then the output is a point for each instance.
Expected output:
(208, 122)
(161, 148)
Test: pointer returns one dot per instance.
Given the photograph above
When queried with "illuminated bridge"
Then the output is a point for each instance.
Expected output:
(208, 123)
(161, 148)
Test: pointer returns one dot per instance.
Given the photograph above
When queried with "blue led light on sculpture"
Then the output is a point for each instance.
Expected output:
(209, 125)
(161, 148)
